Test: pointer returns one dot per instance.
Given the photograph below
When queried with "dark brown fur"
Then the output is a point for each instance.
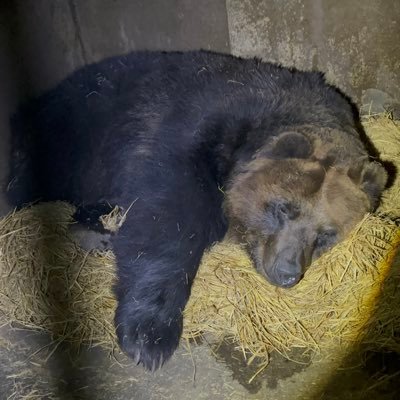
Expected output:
(164, 131)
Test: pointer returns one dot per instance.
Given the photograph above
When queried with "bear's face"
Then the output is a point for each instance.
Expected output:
(289, 208)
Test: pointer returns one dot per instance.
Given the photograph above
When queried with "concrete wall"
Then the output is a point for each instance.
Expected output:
(58, 36)
(357, 42)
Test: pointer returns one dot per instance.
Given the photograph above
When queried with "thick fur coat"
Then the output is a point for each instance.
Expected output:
(170, 133)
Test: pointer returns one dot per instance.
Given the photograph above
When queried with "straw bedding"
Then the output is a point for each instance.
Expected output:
(48, 283)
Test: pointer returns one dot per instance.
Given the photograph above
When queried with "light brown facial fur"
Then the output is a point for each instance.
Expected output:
(291, 210)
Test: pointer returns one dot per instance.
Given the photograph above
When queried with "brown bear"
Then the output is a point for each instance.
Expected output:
(163, 133)
(298, 196)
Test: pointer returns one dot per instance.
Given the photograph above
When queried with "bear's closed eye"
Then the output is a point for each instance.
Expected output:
(325, 239)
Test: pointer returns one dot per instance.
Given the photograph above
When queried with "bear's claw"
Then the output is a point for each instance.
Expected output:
(149, 343)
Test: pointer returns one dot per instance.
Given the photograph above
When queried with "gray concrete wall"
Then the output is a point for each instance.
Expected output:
(58, 36)
(356, 43)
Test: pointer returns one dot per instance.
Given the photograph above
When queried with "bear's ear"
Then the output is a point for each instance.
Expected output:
(288, 145)
(372, 177)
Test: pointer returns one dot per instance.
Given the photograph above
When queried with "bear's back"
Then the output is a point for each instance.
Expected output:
(105, 120)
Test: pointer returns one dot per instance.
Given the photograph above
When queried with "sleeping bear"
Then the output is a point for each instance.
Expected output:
(195, 143)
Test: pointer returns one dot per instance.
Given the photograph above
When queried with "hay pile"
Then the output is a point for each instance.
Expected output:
(48, 283)
(330, 307)
(385, 135)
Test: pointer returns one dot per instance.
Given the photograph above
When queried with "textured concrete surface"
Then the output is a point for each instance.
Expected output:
(34, 367)
(355, 43)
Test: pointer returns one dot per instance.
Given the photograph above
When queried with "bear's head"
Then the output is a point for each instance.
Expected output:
(298, 196)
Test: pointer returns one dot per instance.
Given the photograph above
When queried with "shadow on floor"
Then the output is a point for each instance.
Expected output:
(372, 370)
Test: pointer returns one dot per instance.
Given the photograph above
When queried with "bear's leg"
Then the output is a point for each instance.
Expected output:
(149, 314)
(158, 254)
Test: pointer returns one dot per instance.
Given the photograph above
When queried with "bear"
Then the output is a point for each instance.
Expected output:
(196, 145)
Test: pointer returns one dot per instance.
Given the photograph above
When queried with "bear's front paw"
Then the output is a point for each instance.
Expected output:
(148, 341)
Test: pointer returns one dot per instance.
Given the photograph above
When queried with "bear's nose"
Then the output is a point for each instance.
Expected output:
(289, 279)
(289, 272)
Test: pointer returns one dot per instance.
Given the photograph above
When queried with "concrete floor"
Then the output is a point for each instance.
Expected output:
(33, 369)
(34, 56)
(197, 374)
